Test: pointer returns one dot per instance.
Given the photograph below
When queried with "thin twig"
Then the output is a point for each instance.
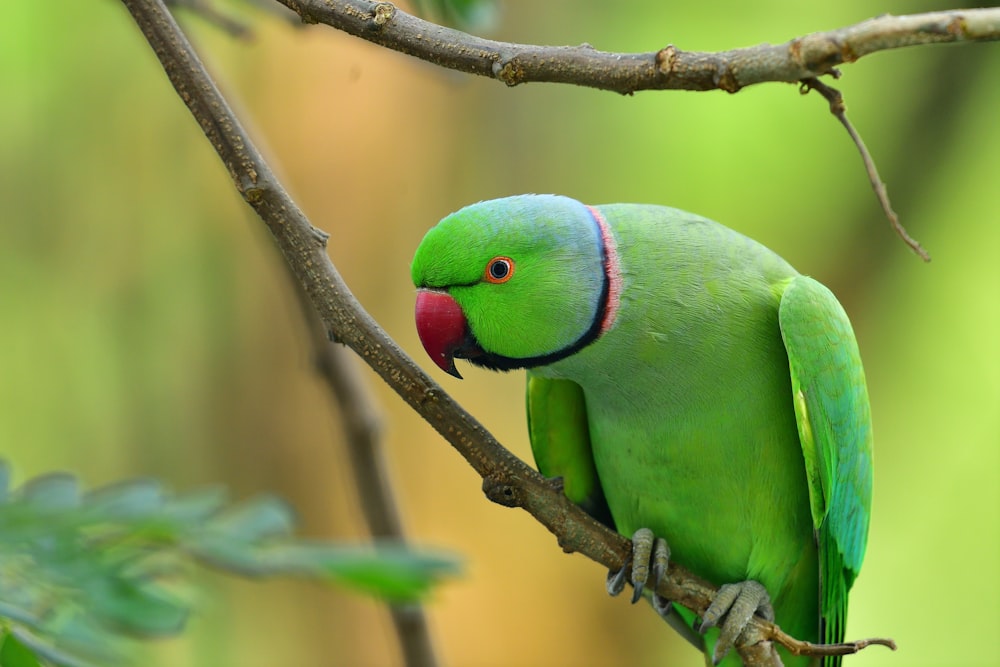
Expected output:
(798, 647)
(839, 110)
(362, 430)
(506, 479)
(669, 68)
(208, 11)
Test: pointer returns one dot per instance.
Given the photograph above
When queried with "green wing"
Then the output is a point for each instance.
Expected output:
(560, 442)
(834, 420)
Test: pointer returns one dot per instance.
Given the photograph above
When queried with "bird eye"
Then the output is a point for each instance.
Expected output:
(499, 270)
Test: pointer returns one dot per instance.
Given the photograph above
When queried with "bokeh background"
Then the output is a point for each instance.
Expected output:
(148, 326)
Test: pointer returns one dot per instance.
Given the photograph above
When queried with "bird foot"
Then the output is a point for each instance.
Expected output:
(648, 566)
(737, 603)
(650, 558)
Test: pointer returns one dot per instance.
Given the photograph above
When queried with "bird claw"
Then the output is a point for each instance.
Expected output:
(616, 580)
(737, 603)
(662, 606)
(649, 563)
(650, 559)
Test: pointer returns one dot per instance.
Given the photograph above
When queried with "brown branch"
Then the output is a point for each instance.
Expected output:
(362, 431)
(506, 479)
(802, 59)
(797, 647)
(669, 68)
(760, 653)
(839, 110)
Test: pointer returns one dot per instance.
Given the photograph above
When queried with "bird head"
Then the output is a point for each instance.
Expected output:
(511, 283)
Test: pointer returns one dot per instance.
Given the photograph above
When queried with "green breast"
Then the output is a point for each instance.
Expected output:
(690, 408)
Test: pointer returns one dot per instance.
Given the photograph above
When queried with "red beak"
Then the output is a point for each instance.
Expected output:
(441, 326)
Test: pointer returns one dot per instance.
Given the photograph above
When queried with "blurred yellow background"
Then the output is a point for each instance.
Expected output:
(149, 327)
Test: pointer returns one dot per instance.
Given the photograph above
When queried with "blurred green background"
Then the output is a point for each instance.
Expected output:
(148, 327)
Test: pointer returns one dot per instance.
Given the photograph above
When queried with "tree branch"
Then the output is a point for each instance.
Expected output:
(506, 479)
(362, 432)
(802, 59)
(669, 68)
(839, 110)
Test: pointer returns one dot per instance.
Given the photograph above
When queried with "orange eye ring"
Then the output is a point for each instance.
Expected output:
(499, 270)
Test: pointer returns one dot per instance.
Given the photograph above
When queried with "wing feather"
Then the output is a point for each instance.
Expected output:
(834, 421)
(560, 441)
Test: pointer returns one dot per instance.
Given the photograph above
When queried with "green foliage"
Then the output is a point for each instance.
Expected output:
(473, 15)
(13, 653)
(81, 571)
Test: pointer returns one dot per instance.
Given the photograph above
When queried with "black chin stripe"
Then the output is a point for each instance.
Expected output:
(498, 362)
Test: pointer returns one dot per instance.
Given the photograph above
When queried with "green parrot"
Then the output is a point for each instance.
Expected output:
(689, 387)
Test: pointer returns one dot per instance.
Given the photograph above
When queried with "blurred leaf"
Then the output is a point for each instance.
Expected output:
(4, 480)
(196, 506)
(137, 607)
(129, 499)
(81, 572)
(392, 572)
(43, 650)
(56, 491)
(15, 654)
(257, 520)
(471, 15)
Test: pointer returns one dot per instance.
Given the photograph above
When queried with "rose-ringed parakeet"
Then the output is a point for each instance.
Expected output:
(682, 378)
